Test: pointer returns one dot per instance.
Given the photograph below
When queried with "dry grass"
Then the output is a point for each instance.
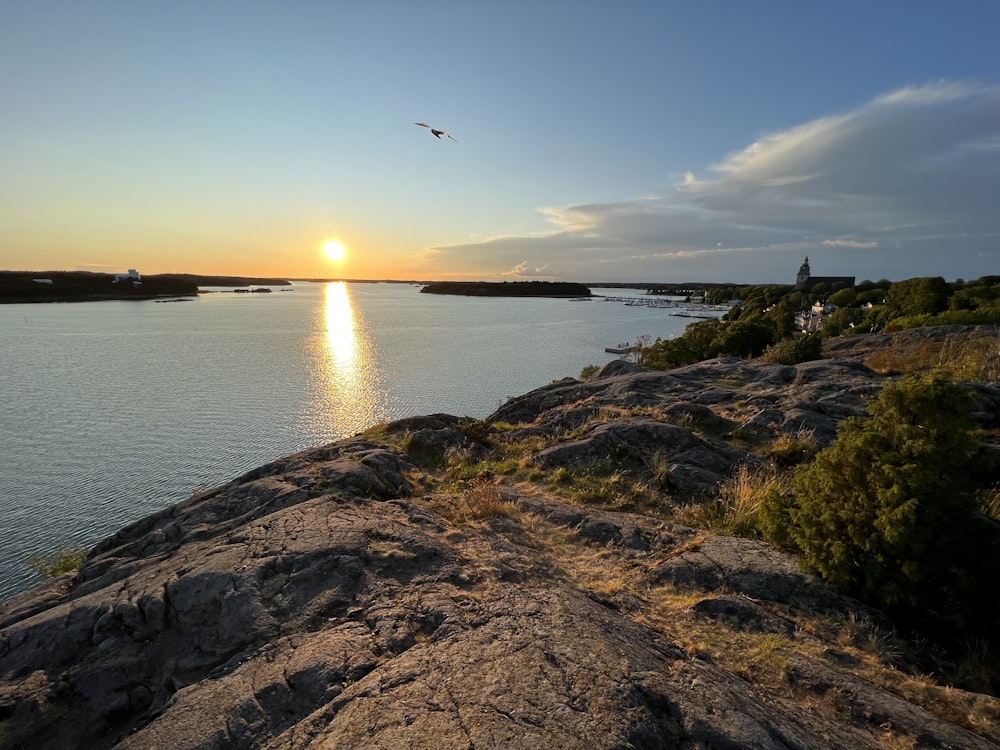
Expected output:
(761, 658)
(791, 449)
(602, 485)
(979, 713)
(968, 357)
(482, 501)
(769, 661)
(465, 489)
(736, 509)
(884, 645)
(990, 502)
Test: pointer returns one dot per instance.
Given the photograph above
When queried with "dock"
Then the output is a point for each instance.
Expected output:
(683, 309)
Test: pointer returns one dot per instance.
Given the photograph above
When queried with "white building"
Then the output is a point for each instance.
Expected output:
(132, 276)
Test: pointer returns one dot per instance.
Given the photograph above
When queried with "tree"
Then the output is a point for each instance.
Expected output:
(747, 337)
(876, 296)
(782, 316)
(874, 320)
(840, 320)
(973, 297)
(843, 297)
(918, 296)
(796, 300)
(866, 285)
(887, 512)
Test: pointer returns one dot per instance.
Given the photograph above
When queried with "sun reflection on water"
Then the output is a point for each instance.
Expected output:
(341, 337)
(347, 398)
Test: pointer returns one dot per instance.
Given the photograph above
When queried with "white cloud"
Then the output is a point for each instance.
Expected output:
(907, 184)
(517, 270)
(848, 243)
(524, 270)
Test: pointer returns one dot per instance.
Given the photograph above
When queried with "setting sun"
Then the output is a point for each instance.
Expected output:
(333, 250)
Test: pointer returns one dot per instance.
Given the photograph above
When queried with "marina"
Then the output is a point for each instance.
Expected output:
(677, 307)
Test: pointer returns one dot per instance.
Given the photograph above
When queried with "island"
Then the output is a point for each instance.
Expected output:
(88, 286)
(508, 288)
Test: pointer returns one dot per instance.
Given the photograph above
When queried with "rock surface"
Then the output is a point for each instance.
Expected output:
(330, 600)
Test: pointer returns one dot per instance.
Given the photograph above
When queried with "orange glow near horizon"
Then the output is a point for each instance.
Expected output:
(299, 255)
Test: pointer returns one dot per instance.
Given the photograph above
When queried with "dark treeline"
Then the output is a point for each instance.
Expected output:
(508, 288)
(80, 286)
(221, 280)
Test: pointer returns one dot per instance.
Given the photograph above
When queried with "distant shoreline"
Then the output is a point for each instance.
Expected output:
(508, 289)
(31, 287)
(23, 287)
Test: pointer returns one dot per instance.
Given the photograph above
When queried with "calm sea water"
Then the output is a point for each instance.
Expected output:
(112, 410)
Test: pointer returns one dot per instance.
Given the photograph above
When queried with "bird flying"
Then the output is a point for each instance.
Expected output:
(435, 133)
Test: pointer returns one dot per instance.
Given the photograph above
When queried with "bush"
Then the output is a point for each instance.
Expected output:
(476, 429)
(794, 349)
(743, 335)
(58, 562)
(888, 512)
(774, 519)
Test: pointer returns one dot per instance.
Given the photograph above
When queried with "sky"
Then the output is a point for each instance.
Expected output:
(659, 141)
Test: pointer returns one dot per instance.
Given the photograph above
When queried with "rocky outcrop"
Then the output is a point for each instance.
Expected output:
(341, 598)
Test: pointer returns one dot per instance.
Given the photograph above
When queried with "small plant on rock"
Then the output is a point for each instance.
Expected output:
(736, 510)
(482, 500)
(793, 449)
(56, 563)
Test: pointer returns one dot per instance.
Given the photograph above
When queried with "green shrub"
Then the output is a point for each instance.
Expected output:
(984, 316)
(774, 519)
(888, 512)
(794, 349)
(477, 429)
(56, 563)
(740, 335)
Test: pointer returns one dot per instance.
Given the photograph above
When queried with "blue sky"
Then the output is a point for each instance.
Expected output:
(635, 141)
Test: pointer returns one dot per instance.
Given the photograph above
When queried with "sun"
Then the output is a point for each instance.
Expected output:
(333, 250)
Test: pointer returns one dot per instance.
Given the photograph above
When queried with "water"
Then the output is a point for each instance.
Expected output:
(113, 410)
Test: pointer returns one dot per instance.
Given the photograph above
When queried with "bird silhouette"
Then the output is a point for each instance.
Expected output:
(435, 133)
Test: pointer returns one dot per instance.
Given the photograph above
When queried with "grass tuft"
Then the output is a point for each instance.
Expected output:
(793, 449)
(860, 632)
(961, 357)
(990, 502)
(56, 563)
(737, 508)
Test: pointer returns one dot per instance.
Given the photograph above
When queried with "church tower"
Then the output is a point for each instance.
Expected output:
(803, 277)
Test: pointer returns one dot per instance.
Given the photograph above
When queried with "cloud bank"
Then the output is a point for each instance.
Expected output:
(906, 185)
